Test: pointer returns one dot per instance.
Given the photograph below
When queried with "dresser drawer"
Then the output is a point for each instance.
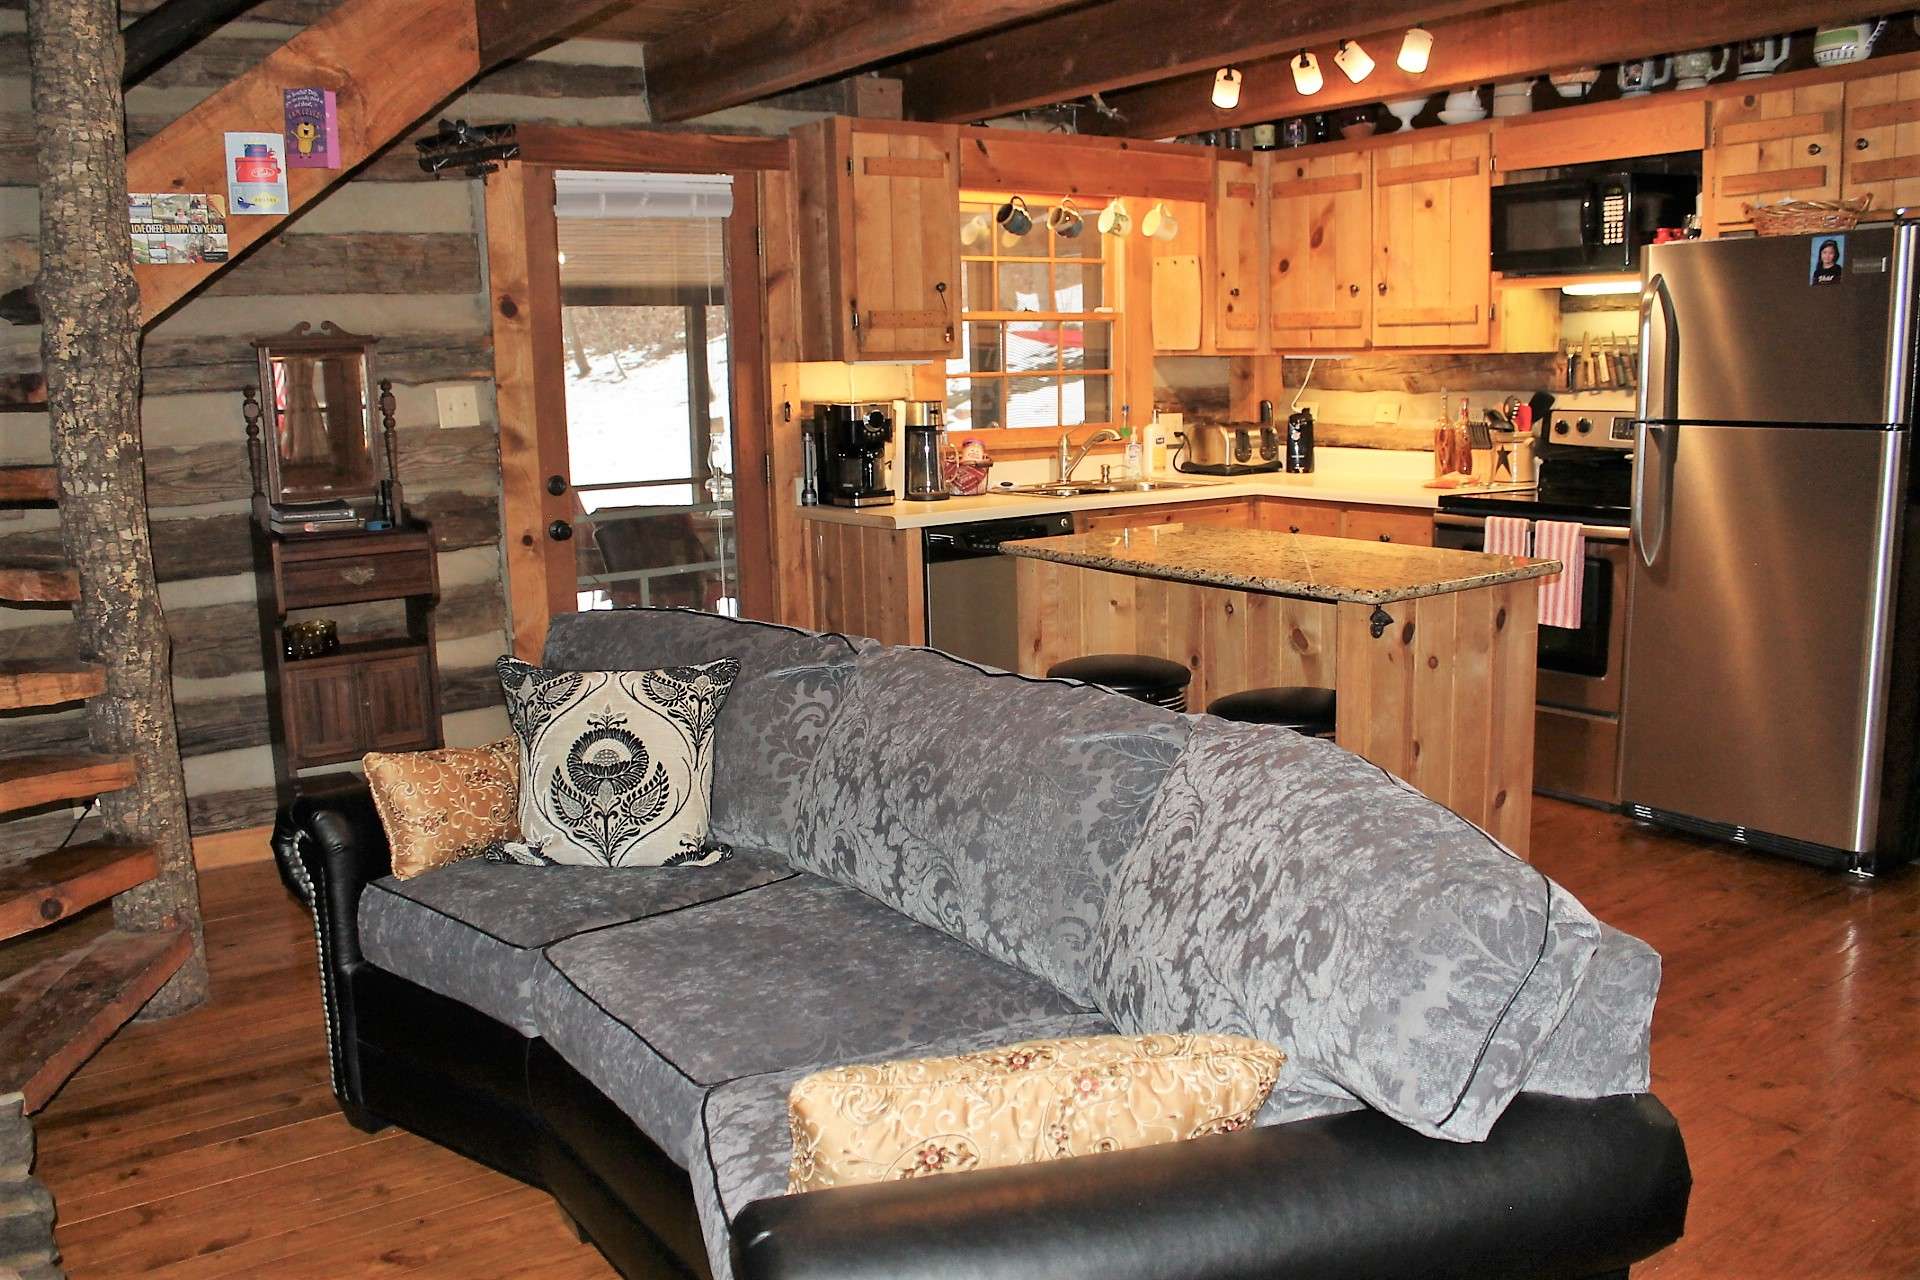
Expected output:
(343, 579)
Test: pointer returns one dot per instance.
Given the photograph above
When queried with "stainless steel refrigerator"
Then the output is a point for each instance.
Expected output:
(1771, 675)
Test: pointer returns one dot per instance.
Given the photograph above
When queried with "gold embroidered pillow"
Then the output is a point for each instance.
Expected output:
(441, 806)
(1022, 1104)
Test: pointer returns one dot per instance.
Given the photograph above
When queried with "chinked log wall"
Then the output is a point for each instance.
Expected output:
(391, 252)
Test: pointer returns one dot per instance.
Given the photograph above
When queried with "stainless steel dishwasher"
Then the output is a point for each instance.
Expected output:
(970, 586)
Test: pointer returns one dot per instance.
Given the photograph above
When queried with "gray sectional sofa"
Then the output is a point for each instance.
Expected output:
(931, 857)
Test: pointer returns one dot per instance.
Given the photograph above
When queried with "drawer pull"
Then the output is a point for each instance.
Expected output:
(358, 575)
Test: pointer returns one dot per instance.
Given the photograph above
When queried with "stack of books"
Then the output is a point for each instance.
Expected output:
(335, 516)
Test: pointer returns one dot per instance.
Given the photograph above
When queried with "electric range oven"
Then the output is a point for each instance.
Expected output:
(1586, 476)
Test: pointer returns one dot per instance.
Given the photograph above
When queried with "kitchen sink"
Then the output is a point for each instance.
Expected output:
(1154, 486)
(1081, 488)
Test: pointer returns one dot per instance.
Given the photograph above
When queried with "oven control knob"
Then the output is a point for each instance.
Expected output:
(1584, 426)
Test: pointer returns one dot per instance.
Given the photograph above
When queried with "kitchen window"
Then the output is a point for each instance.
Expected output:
(1037, 330)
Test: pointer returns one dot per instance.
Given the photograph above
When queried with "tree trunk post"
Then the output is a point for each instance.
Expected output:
(90, 353)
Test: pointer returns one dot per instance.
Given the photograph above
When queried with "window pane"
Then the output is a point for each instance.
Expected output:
(976, 286)
(984, 353)
(1085, 399)
(1076, 287)
(1023, 286)
(976, 224)
(1033, 402)
(1032, 345)
(974, 405)
(1086, 345)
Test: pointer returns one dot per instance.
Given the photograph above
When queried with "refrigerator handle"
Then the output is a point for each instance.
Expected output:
(1652, 293)
(1652, 506)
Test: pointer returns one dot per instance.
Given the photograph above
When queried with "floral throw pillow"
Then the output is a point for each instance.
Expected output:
(616, 767)
(1022, 1104)
(443, 805)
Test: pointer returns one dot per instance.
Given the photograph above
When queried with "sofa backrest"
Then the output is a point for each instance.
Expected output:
(991, 806)
(790, 685)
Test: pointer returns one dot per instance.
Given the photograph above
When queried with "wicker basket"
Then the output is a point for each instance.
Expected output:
(1801, 217)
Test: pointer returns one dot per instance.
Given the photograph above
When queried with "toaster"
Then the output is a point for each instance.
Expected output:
(1229, 449)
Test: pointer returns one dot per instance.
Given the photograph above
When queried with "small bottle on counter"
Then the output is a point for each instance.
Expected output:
(1131, 468)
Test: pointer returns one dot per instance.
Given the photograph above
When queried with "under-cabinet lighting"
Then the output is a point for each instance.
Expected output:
(1226, 88)
(1355, 61)
(1414, 51)
(1600, 288)
(1306, 74)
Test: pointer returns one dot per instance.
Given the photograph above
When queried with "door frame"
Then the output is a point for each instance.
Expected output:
(528, 356)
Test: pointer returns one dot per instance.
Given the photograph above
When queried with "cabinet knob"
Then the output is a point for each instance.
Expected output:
(1353, 291)
(1381, 288)
(1860, 144)
(1293, 528)
(1233, 292)
(560, 531)
(1386, 537)
(1813, 148)
(556, 485)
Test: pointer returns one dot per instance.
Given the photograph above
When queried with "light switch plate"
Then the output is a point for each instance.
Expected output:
(459, 405)
(1386, 413)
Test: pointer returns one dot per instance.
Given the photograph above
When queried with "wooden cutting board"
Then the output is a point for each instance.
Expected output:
(1176, 302)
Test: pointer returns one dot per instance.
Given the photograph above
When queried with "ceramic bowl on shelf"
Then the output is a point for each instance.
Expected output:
(1405, 109)
(1356, 123)
(1512, 99)
(1463, 107)
(1575, 84)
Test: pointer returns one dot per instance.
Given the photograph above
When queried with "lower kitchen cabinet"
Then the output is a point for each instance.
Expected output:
(1234, 513)
(869, 582)
(1319, 518)
(1412, 527)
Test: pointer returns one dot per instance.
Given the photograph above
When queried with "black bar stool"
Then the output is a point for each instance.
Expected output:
(1159, 681)
(1302, 708)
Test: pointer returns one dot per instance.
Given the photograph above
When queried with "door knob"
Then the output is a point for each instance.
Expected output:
(556, 485)
(1382, 288)
(559, 531)
(1813, 148)
(1860, 144)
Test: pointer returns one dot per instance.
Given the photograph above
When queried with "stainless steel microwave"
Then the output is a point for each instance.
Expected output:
(1589, 223)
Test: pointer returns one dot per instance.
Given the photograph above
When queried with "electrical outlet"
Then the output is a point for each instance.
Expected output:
(459, 405)
(1386, 413)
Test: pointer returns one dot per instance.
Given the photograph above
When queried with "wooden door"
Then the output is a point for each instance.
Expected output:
(1778, 145)
(323, 718)
(1881, 155)
(1432, 242)
(902, 257)
(1319, 251)
(1239, 257)
(1277, 514)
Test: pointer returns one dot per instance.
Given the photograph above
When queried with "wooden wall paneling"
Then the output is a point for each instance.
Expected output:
(793, 575)
(1432, 242)
(1320, 250)
(1083, 166)
(1135, 270)
(1774, 144)
(754, 491)
(1238, 227)
(646, 150)
(1880, 155)
(1650, 126)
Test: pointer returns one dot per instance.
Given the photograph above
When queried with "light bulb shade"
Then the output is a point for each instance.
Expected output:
(1353, 60)
(1226, 88)
(1306, 74)
(1414, 51)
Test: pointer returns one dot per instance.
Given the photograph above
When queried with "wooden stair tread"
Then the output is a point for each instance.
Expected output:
(25, 682)
(23, 484)
(38, 579)
(54, 1015)
(52, 886)
(27, 782)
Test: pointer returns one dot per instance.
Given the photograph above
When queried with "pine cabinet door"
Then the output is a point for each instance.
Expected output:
(903, 261)
(1239, 256)
(1432, 240)
(1881, 155)
(1772, 146)
(1320, 251)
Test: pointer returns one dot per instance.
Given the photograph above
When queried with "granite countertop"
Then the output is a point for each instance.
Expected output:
(1288, 564)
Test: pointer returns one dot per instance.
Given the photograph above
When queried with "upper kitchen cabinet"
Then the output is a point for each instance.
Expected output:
(1881, 155)
(1780, 144)
(1650, 126)
(880, 265)
(1432, 243)
(1239, 257)
(1320, 251)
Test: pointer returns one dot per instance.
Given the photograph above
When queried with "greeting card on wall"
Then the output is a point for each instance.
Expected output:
(313, 131)
(256, 173)
(172, 228)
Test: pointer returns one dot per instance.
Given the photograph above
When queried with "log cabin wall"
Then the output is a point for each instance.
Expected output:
(391, 252)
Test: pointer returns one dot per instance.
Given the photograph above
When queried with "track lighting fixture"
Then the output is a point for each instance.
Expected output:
(1414, 50)
(1226, 88)
(1306, 74)
(1353, 60)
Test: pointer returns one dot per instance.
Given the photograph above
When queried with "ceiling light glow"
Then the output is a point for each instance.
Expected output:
(1415, 49)
(1355, 61)
(1306, 74)
(1226, 88)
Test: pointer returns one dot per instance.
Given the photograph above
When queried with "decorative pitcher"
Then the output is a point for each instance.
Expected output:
(1837, 46)
(1695, 67)
(1644, 76)
(1763, 57)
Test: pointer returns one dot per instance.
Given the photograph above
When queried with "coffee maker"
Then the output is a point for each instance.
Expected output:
(923, 479)
(854, 436)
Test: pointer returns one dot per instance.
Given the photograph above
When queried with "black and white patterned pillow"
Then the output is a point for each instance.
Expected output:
(616, 767)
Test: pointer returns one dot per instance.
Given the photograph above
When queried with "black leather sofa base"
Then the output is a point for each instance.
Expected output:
(1562, 1190)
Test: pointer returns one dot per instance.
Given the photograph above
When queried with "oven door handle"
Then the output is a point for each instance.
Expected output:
(1592, 532)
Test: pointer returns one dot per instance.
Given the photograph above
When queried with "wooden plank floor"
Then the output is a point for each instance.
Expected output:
(1787, 1040)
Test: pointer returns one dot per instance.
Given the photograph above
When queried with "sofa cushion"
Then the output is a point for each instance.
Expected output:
(789, 685)
(989, 805)
(746, 1139)
(1604, 1045)
(473, 931)
(444, 805)
(804, 973)
(1288, 890)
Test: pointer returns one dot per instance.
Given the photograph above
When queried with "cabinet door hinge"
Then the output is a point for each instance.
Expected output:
(766, 467)
(759, 243)
(849, 166)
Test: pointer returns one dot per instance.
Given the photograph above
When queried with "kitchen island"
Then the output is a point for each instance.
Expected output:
(1430, 652)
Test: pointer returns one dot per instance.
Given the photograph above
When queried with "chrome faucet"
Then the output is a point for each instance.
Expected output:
(1069, 459)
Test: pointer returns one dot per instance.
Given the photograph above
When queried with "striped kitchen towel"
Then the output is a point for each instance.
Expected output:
(1566, 542)
(1508, 535)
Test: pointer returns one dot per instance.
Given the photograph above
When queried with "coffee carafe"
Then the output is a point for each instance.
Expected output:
(922, 431)
(854, 437)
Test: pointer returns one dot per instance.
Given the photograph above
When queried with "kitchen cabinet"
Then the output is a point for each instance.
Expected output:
(1432, 242)
(1180, 293)
(1319, 251)
(1281, 516)
(1881, 155)
(1770, 145)
(1239, 257)
(880, 261)
(1408, 526)
(1234, 513)
(869, 582)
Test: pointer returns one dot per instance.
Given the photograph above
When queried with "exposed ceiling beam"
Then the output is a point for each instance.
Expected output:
(1131, 42)
(752, 50)
(157, 35)
(1520, 40)
(510, 29)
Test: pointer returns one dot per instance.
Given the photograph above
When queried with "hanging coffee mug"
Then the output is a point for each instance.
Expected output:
(1066, 220)
(1014, 218)
(1159, 224)
(1114, 219)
